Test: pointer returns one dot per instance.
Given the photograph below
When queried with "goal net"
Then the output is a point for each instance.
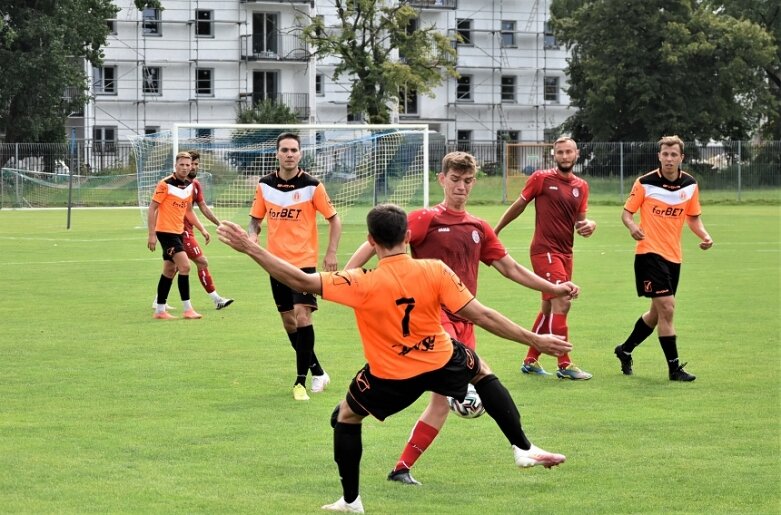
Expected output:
(360, 165)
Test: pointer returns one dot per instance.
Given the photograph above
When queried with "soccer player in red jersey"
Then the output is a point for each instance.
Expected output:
(398, 312)
(171, 202)
(666, 198)
(561, 202)
(462, 241)
(289, 199)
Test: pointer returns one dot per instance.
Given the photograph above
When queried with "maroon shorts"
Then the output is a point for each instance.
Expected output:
(461, 330)
(556, 268)
(191, 245)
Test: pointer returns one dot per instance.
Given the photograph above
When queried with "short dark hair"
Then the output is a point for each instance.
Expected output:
(289, 135)
(387, 224)
(194, 154)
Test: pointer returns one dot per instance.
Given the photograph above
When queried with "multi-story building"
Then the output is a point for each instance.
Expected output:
(202, 61)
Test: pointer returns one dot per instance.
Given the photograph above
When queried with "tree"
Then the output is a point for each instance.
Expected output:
(369, 37)
(43, 44)
(257, 146)
(673, 67)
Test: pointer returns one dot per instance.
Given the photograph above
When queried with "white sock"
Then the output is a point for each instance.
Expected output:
(187, 306)
(215, 296)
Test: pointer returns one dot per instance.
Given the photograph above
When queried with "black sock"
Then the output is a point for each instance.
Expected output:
(347, 455)
(184, 287)
(670, 350)
(293, 337)
(638, 336)
(163, 289)
(314, 364)
(500, 406)
(305, 344)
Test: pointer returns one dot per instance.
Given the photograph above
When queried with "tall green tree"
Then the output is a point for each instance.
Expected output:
(43, 44)
(380, 54)
(639, 70)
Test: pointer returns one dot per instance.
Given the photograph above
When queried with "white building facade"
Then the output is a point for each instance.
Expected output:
(202, 61)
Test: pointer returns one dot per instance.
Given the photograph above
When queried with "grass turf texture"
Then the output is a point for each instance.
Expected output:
(103, 409)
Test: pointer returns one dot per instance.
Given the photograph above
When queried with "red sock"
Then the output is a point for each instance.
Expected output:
(558, 326)
(421, 437)
(206, 280)
(539, 327)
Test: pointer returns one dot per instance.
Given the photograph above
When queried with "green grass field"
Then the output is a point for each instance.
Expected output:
(105, 410)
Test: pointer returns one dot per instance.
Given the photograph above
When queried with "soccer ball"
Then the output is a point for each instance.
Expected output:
(472, 407)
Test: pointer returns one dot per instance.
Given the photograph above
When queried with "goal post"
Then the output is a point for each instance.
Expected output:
(360, 165)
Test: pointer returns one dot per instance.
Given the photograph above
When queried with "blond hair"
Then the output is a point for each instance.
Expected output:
(669, 141)
(459, 161)
(182, 155)
(564, 139)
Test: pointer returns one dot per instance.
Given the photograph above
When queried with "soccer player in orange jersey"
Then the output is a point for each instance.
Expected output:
(462, 241)
(666, 198)
(561, 202)
(398, 312)
(171, 202)
(289, 199)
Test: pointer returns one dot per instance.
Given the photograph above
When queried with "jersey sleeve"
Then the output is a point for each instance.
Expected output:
(343, 287)
(161, 191)
(323, 202)
(454, 295)
(584, 202)
(258, 209)
(693, 207)
(198, 189)
(532, 187)
(418, 222)
(492, 248)
(636, 197)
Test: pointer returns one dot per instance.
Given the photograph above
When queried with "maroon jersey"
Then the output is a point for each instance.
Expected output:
(197, 197)
(558, 202)
(459, 239)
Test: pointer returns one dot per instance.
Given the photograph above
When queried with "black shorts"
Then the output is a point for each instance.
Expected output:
(170, 244)
(285, 297)
(381, 398)
(655, 276)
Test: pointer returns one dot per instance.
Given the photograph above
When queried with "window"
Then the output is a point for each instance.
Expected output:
(265, 33)
(204, 83)
(508, 88)
(203, 134)
(550, 135)
(104, 80)
(464, 30)
(508, 33)
(151, 22)
(319, 86)
(551, 89)
(509, 136)
(112, 27)
(104, 140)
(203, 23)
(151, 129)
(151, 82)
(408, 101)
(264, 86)
(464, 140)
(549, 38)
(464, 88)
(412, 27)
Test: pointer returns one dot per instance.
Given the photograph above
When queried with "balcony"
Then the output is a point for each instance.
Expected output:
(433, 4)
(297, 102)
(274, 46)
(274, 1)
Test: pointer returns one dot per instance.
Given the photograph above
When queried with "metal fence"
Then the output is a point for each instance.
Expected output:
(40, 175)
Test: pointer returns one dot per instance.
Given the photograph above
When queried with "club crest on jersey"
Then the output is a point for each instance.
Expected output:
(575, 192)
(475, 237)
(296, 196)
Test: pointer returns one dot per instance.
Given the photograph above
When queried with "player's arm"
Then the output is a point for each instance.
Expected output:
(193, 219)
(584, 226)
(698, 228)
(208, 213)
(512, 212)
(628, 219)
(361, 256)
(233, 235)
(253, 229)
(514, 271)
(498, 324)
(334, 234)
(151, 220)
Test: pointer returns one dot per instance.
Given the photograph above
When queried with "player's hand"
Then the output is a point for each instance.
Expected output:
(637, 233)
(207, 236)
(329, 263)
(568, 289)
(552, 344)
(706, 243)
(585, 228)
(235, 236)
(151, 243)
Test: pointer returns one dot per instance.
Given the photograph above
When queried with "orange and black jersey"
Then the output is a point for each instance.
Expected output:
(664, 206)
(290, 208)
(174, 197)
(397, 309)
